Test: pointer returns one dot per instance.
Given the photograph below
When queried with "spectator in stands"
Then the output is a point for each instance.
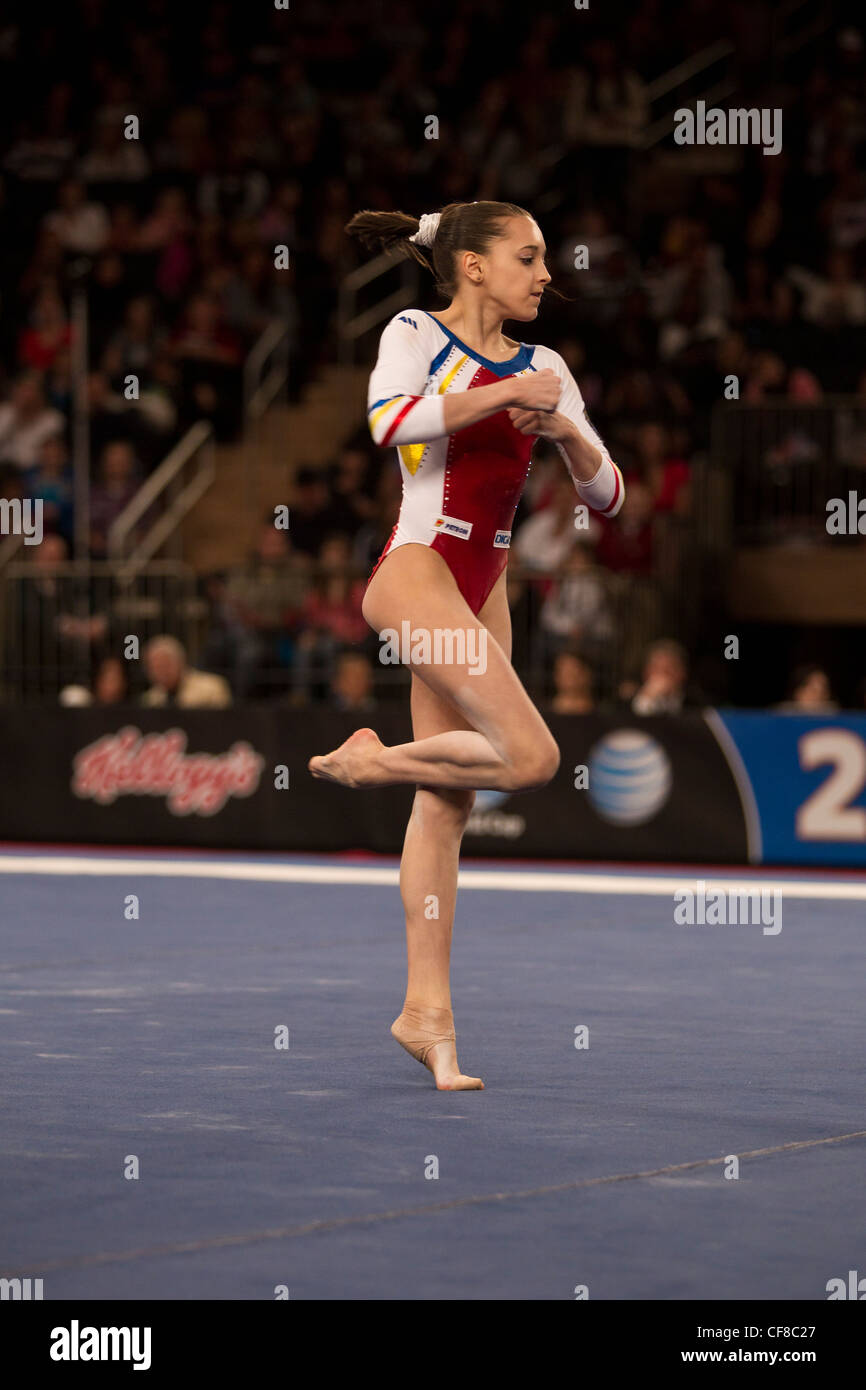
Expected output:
(118, 483)
(203, 338)
(26, 421)
(372, 537)
(48, 333)
(547, 538)
(351, 484)
(577, 608)
(46, 146)
(166, 239)
(664, 688)
(174, 682)
(82, 227)
(572, 684)
(310, 512)
(626, 541)
(157, 401)
(51, 480)
(111, 416)
(770, 377)
(113, 159)
(333, 605)
(331, 616)
(279, 224)
(809, 693)
(352, 683)
(837, 297)
(168, 222)
(637, 394)
(258, 612)
(690, 288)
(62, 629)
(665, 476)
(12, 482)
(209, 357)
(110, 686)
(125, 229)
(57, 384)
(133, 348)
(45, 267)
(109, 287)
(256, 294)
(610, 273)
(606, 105)
(237, 188)
(111, 682)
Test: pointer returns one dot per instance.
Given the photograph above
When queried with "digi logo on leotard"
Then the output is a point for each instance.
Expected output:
(452, 527)
(502, 540)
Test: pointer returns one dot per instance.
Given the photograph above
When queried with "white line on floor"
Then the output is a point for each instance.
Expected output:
(502, 880)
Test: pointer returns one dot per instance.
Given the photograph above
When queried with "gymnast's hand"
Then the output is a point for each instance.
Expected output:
(549, 424)
(536, 391)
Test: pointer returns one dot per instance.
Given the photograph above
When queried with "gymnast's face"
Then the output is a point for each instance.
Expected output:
(513, 272)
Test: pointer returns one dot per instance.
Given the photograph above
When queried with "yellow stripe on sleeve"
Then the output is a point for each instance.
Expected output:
(383, 408)
(453, 372)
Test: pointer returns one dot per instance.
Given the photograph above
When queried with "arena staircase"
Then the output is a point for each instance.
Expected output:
(255, 474)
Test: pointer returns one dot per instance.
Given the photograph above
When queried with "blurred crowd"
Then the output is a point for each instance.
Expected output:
(259, 128)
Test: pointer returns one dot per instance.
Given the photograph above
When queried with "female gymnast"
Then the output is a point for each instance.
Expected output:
(463, 404)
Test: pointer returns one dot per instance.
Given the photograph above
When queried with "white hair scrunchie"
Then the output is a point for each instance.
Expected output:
(426, 233)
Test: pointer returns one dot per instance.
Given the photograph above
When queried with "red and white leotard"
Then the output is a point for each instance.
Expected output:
(460, 491)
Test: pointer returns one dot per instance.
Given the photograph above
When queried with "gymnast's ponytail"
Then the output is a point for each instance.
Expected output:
(434, 239)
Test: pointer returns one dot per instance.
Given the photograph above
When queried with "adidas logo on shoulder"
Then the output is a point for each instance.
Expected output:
(403, 319)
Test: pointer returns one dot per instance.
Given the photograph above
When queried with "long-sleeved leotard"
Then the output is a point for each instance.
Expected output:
(460, 491)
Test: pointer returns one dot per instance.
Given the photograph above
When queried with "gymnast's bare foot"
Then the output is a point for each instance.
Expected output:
(353, 764)
(428, 1036)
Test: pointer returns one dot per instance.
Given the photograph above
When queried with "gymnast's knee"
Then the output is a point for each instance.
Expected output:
(533, 766)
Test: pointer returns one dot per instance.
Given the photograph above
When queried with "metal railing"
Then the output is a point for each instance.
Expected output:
(787, 38)
(353, 323)
(677, 80)
(165, 492)
(774, 468)
(266, 370)
(9, 548)
(57, 623)
(266, 374)
(796, 23)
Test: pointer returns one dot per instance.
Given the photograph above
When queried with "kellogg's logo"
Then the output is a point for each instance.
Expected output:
(131, 764)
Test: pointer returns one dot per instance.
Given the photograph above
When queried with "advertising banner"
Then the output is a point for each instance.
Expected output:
(709, 787)
(237, 779)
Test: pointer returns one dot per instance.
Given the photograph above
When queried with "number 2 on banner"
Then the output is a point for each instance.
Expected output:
(828, 814)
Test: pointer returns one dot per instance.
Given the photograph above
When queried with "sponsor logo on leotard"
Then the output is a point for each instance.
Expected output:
(452, 527)
(502, 540)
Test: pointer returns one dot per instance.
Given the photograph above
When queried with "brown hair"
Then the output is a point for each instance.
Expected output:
(462, 227)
